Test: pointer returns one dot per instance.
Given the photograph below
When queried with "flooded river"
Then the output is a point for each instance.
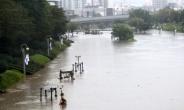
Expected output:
(143, 75)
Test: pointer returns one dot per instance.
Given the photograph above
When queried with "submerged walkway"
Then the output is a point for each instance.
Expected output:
(142, 75)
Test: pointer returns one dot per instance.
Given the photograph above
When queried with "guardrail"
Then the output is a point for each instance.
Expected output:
(98, 19)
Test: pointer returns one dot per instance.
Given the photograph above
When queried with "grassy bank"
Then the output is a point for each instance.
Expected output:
(171, 27)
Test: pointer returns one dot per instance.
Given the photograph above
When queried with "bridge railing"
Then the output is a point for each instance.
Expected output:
(97, 19)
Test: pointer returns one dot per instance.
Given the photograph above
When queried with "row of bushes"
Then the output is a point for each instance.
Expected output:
(9, 77)
(6, 59)
(37, 61)
(40, 59)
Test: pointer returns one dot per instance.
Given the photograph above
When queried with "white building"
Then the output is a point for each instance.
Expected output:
(80, 3)
(104, 3)
(159, 4)
(68, 4)
(122, 8)
(148, 3)
(73, 4)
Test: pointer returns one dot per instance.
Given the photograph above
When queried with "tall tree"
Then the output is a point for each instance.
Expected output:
(15, 26)
(39, 11)
(166, 15)
(72, 26)
(101, 25)
(143, 14)
(136, 22)
(60, 21)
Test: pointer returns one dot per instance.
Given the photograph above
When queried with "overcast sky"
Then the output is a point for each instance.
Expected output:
(138, 2)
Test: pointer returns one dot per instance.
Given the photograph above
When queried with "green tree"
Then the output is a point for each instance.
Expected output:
(60, 21)
(15, 25)
(101, 25)
(40, 12)
(118, 21)
(72, 26)
(181, 19)
(166, 15)
(143, 14)
(122, 31)
(86, 28)
(97, 15)
(136, 22)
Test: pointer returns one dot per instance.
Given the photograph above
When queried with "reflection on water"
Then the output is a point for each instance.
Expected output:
(142, 75)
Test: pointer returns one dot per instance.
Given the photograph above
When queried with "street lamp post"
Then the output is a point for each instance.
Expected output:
(61, 39)
(23, 47)
(68, 35)
(78, 58)
(90, 28)
(174, 28)
(48, 38)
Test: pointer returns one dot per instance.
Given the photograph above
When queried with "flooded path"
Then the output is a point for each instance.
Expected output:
(143, 75)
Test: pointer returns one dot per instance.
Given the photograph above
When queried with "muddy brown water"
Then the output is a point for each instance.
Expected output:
(143, 75)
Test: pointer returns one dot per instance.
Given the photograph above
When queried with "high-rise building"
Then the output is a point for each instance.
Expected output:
(68, 4)
(104, 3)
(73, 4)
(159, 4)
(80, 3)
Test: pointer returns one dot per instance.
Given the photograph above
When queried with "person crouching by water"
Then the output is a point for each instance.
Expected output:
(62, 100)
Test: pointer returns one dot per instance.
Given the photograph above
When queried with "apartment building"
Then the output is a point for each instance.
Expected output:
(159, 4)
(80, 3)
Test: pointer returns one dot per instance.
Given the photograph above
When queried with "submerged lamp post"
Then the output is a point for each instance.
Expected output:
(48, 38)
(23, 47)
(61, 39)
(78, 58)
(174, 28)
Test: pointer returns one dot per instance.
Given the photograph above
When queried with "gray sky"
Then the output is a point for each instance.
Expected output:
(139, 2)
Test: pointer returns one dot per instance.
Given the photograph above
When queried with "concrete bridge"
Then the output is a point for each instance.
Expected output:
(99, 19)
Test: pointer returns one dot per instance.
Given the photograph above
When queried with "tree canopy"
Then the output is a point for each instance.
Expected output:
(167, 15)
(15, 26)
(122, 31)
(97, 15)
(136, 22)
(28, 22)
(142, 14)
(72, 26)
(101, 25)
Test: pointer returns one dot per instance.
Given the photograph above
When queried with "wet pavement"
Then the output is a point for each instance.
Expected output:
(143, 75)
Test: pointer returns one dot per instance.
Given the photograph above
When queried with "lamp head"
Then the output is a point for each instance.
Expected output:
(27, 48)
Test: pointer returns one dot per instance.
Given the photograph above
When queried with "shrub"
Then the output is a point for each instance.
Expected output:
(63, 46)
(9, 77)
(40, 59)
(67, 42)
(55, 51)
